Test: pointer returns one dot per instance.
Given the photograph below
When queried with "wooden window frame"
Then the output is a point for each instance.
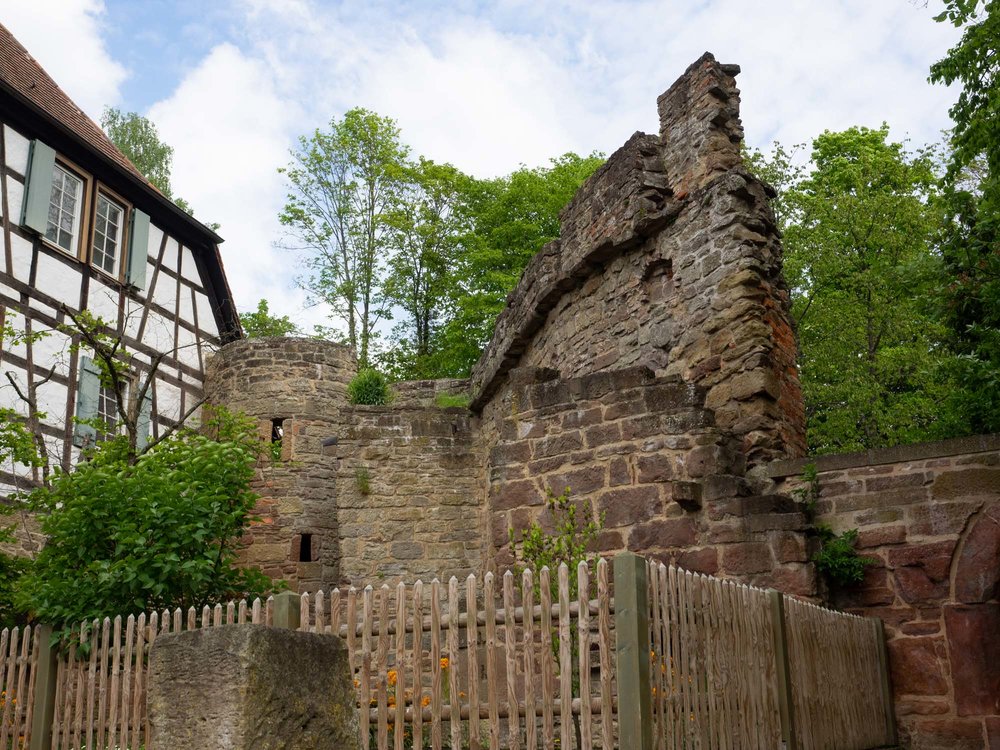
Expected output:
(85, 210)
(123, 250)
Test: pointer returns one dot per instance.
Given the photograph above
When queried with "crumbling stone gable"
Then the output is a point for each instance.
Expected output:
(669, 257)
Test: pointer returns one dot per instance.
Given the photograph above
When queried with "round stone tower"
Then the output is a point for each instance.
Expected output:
(297, 389)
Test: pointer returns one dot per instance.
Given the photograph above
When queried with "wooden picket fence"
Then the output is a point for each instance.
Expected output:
(734, 666)
(655, 658)
(512, 663)
(18, 648)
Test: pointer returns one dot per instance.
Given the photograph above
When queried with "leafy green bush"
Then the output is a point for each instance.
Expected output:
(163, 531)
(369, 387)
(837, 559)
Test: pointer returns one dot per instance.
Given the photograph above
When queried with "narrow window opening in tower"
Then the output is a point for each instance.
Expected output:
(305, 548)
(277, 429)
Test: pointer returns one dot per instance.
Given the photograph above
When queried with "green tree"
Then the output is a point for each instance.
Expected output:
(425, 232)
(138, 138)
(859, 258)
(508, 219)
(342, 185)
(160, 531)
(970, 239)
(261, 324)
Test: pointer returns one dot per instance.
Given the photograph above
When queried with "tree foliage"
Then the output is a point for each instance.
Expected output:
(859, 226)
(260, 324)
(160, 531)
(970, 236)
(138, 138)
(342, 185)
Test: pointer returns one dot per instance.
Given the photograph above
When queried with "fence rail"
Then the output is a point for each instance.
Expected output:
(655, 658)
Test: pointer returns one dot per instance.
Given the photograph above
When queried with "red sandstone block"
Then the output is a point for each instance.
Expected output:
(515, 494)
(922, 707)
(967, 483)
(881, 536)
(922, 627)
(896, 481)
(788, 546)
(974, 648)
(937, 518)
(705, 560)
(993, 732)
(746, 557)
(660, 533)
(654, 468)
(799, 580)
(579, 481)
(915, 667)
(618, 473)
(916, 587)
(949, 734)
(604, 434)
(935, 558)
(629, 505)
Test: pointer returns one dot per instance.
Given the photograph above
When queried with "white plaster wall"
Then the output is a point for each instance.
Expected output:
(169, 254)
(159, 332)
(16, 146)
(52, 402)
(20, 250)
(188, 269)
(52, 349)
(15, 196)
(187, 347)
(58, 280)
(103, 301)
(168, 400)
(206, 316)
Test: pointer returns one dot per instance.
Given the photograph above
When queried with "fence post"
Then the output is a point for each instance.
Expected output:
(786, 708)
(44, 698)
(891, 737)
(287, 606)
(635, 713)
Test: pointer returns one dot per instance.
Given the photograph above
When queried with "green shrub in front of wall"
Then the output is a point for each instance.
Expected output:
(369, 387)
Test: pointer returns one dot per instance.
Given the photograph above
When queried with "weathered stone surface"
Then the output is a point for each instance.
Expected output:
(915, 666)
(977, 576)
(974, 650)
(250, 687)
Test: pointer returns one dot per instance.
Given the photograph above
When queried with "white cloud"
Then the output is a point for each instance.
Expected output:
(64, 36)
(489, 86)
(229, 128)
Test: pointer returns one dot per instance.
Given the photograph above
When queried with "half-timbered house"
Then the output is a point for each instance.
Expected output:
(84, 230)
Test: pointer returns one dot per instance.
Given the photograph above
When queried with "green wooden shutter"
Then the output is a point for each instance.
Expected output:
(38, 190)
(87, 393)
(137, 249)
(142, 425)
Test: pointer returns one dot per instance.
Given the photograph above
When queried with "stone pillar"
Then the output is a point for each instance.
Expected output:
(251, 687)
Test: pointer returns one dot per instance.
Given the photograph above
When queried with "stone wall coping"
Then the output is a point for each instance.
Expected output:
(895, 454)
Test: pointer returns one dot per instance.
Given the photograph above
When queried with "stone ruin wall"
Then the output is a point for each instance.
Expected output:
(928, 515)
(420, 516)
(647, 361)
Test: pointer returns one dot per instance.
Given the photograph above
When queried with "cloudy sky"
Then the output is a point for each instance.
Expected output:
(484, 85)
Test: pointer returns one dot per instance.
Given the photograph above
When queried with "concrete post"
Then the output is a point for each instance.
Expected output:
(251, 687)
(287, 610)
(635, 709)
(44, 698)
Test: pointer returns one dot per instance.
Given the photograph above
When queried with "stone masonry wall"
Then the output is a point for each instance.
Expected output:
(928, 515)
(420, 515)
(669, 258)
(645, 454)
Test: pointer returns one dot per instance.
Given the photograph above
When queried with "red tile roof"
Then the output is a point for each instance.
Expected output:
(20, 71)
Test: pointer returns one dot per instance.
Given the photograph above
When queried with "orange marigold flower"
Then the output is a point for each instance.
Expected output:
(444, 662)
